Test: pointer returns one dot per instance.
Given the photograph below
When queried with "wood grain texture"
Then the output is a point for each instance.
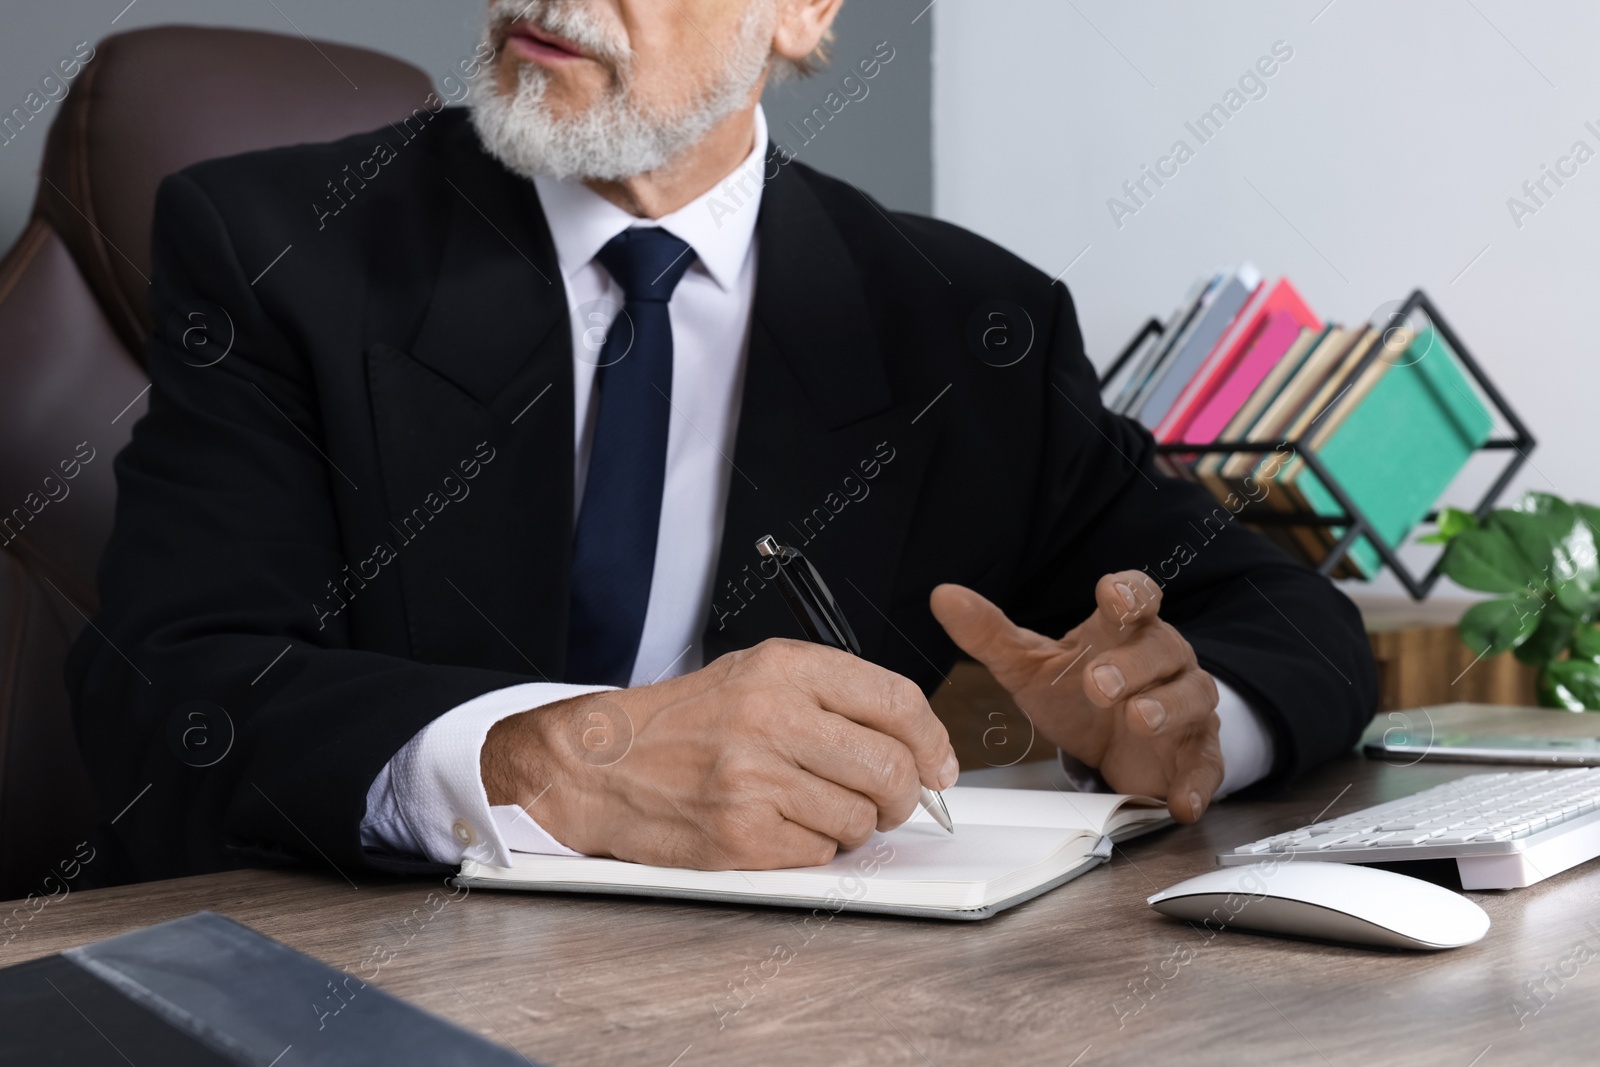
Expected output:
(1421, 659)
(575, 980)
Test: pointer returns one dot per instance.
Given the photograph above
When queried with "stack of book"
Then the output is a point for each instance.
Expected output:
(1385, 407)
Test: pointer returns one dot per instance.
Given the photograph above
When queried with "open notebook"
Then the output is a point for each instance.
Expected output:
(1010, 845)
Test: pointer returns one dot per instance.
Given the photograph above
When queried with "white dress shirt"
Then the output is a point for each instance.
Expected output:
(429, 799)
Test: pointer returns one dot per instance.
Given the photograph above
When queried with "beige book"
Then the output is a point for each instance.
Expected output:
(1350, 398)
(1313, 373)
(1333, 389)
(1283, 495)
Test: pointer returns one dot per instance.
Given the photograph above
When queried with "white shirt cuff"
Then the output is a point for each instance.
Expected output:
(1246, 743)
(429, 798)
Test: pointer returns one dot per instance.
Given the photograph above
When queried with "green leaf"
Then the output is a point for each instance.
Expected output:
(1550, 637)
(1573, 597)
(1493, 626)
(1573, 684)
(1488, 560)
(1586, 643)
(1591, 516)
(1589, 519)
(1555, 538)
(1534, 502)
(1534, 535)
(1452, 521)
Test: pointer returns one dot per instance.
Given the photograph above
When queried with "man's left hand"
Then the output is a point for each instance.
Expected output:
(1122, 691)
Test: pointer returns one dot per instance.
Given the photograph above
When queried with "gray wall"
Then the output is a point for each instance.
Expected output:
(1380, 159)
(881, 141)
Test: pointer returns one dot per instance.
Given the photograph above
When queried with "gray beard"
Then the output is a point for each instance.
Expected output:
(616, 137)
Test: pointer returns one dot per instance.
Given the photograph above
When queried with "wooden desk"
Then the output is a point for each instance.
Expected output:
(584, 980)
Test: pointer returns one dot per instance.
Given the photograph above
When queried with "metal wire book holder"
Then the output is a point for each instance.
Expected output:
(1354, 521)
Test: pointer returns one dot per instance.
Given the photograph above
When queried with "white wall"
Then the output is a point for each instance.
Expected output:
(1379, 160)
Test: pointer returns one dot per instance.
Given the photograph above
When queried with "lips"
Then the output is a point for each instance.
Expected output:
(541, 44)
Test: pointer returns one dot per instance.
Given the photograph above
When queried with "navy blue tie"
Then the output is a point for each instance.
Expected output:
(614, 549)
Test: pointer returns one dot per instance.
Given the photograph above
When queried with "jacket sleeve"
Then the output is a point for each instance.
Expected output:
(1280, 634)
(208, 676)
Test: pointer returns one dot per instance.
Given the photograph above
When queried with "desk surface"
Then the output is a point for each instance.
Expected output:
(586, 980)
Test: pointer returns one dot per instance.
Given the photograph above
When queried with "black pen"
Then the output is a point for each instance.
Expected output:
(823, 621)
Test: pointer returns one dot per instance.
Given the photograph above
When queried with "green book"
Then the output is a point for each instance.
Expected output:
(1402, 445)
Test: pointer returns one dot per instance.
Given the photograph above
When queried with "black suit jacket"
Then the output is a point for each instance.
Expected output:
(349, 507)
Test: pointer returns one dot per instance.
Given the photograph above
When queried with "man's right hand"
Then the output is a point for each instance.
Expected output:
(773, 756)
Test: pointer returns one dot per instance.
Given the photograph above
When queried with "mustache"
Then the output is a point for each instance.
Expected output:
(575, 20)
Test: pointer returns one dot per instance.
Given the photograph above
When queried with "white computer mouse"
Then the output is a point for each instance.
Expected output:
(1329, 901)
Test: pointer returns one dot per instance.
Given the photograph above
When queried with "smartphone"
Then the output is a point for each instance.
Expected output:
(1415, 745)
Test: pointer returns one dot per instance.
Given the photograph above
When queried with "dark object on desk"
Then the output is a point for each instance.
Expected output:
(73, 321)
(207, 990)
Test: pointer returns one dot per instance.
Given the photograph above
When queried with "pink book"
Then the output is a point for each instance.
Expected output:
(1229, 353)
(1274, 340)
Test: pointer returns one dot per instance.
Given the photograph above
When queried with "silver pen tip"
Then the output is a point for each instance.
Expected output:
(933, 804)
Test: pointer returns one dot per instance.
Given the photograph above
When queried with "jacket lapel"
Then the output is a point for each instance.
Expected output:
(485, 388)
(823, 458)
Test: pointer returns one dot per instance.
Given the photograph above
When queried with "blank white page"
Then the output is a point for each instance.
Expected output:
(1032, 807)
(1005, 840)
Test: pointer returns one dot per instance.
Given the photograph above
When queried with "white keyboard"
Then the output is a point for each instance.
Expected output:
(1504, 831)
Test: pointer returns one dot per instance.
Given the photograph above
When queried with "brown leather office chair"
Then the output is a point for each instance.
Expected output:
(73, 317)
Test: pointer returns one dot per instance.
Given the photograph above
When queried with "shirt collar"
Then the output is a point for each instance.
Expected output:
(719, 224)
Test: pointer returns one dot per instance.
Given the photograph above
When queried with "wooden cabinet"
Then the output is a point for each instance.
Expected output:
(1421, 660)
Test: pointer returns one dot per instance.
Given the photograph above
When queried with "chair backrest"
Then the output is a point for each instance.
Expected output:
(73, 318)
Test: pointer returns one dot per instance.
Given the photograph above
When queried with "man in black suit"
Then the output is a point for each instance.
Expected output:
(440, 528)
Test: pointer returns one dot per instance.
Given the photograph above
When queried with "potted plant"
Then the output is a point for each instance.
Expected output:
(1539, 557)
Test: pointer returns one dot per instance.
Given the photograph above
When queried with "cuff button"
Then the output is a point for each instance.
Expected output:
(464, 832)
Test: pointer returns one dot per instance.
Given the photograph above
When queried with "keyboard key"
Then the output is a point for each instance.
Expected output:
(1325, 841)
(1479, 809)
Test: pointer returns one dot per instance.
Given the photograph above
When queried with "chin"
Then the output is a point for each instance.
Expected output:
(545, 127)
(562, 94)
(586, 124)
